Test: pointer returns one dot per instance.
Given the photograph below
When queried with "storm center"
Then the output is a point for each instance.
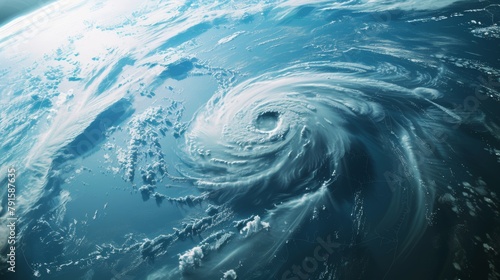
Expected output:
(267, 121)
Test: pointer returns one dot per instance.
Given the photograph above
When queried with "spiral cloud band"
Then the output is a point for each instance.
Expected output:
(289, 141)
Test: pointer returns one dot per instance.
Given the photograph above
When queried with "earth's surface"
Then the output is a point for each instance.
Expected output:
(285, 139)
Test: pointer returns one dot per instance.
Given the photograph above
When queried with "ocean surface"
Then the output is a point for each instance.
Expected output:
(290, 139)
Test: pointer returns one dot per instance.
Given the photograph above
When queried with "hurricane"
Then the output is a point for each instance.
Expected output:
(291, 141)
(250, 140)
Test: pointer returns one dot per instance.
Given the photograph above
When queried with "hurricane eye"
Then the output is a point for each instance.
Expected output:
(267, 121)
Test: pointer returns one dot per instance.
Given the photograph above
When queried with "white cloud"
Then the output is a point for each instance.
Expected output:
(230, 274)
(191, 258)
(254, 226)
